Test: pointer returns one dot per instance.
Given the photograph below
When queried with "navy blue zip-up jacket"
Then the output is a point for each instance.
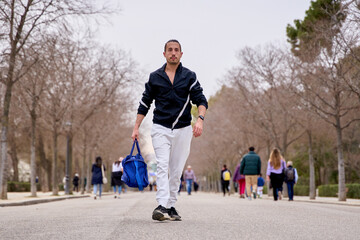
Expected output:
(172, 101)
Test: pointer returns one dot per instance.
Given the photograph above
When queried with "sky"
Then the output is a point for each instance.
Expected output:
(211, 34)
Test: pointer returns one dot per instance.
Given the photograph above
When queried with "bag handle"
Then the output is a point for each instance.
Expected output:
(133, 146)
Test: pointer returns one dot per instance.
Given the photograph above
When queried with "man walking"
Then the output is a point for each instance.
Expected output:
(172, 87)
(251, 166)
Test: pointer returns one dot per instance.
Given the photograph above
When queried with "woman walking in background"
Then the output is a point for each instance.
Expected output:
(240, 179)
(97, 176)
(274, 172)
(116, 174)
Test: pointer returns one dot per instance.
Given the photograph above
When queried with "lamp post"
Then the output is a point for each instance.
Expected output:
(67, 163)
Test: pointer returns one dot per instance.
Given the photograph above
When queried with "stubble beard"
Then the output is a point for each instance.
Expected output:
(170, 62)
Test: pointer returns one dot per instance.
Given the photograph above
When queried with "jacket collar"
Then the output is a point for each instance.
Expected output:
(162, 73)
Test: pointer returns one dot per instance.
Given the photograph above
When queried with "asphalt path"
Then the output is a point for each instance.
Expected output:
(205, 216)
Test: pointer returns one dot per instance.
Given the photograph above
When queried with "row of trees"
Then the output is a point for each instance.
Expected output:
(56, 81)
(300, 100)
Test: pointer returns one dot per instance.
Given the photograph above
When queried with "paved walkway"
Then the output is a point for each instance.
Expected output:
(24, 198)
(204, 216)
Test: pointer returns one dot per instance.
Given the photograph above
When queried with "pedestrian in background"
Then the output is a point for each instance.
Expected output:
(97, 176)
(116, 174)
(240, 179)
(76, 182)
(181, 183)
(251, 167)
(189, 177)
(151, 182)
(196, 186)
(225, 176)
(274, 172)
(260, 186)
(291, 178)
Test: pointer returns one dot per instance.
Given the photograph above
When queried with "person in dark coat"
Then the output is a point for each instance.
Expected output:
(76, 180)
(250, 166)
(97, 176)
(225, 177)
(116, 174)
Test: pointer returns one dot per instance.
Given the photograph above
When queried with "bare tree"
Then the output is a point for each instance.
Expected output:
(325, 91)
(22, 22)
(261, 79)
(31, 90)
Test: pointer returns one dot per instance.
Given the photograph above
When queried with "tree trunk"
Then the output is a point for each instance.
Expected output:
(33, 153)
(44, 165)
(13, 155)
(70, 160)
(341, 167)
(82, 176)
(4, 190)
(3, 193)
(7, 101)
(55, 188)
(312, 186)
(4, 129)
(88, 176)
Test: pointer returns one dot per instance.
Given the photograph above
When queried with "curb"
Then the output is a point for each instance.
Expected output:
(333, 203)
(321, 202)
(37, 201)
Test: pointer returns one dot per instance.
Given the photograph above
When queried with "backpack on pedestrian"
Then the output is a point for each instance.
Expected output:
(226, 175)
(289, 174)
(135, 169)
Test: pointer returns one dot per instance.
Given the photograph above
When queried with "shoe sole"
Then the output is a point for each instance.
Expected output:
(159, 216)
(175, 218)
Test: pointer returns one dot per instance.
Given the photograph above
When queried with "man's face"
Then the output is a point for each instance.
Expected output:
(173, 53)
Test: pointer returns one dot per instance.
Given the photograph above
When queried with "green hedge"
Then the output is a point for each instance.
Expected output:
(331, 190)
(301, 190)
(20, 187)
(353, 190)
(25, 187)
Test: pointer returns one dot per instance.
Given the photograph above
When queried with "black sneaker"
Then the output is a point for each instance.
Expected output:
(159, 213)
(174, 216)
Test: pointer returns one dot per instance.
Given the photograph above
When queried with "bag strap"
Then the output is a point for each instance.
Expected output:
(137, 146)
(138, 178)
(133, 146)
(102, 170)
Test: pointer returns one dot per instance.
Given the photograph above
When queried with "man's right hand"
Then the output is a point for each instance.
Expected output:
(135, 134)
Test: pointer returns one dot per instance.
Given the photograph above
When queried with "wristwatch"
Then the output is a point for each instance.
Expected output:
(201, 117)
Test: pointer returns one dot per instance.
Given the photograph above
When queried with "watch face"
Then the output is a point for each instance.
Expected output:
(201, 117)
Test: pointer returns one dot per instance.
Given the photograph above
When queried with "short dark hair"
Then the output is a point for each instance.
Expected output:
(251, 149)
(172, 40)
(224, 165)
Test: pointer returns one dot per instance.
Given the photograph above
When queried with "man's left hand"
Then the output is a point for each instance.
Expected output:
(198, 128)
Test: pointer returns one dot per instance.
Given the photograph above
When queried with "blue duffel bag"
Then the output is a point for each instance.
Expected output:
(135, 172)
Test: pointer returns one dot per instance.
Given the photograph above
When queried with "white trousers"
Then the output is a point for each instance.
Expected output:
(172, 148)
